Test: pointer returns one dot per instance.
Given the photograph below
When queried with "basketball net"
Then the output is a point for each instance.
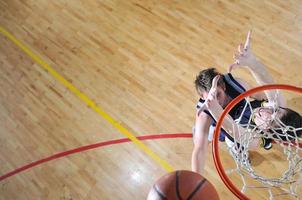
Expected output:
(285, 139)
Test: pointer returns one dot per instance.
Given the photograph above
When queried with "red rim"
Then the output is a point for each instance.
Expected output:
(215, 149)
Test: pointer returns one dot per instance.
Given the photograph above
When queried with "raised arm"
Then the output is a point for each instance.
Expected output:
(211, 103)
(245, 57)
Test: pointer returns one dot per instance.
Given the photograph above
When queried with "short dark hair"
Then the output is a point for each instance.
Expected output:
(203, 81)
(292, 118)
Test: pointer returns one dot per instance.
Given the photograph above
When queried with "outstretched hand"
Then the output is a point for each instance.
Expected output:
(211, 102)
(244, 56)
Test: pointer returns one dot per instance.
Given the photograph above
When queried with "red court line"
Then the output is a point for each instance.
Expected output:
(91, 146)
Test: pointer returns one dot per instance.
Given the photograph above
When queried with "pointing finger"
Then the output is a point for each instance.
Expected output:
(248, 40)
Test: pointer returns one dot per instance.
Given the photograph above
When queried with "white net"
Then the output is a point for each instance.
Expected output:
(285, 157)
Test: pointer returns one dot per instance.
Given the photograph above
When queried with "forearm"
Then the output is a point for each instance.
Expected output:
(263, 77)
(260, 73)
(199, 157)
(230, 126)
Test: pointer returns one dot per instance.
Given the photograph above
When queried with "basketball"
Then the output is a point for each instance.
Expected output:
(182, 184)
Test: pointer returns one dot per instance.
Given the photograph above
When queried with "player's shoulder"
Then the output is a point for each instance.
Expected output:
(243, 83)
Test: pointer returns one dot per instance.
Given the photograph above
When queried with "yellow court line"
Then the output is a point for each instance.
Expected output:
(89, 102)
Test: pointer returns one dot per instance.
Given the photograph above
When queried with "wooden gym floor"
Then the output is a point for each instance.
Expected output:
(134, 62)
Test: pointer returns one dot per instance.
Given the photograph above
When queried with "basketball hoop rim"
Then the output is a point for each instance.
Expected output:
(227, 109)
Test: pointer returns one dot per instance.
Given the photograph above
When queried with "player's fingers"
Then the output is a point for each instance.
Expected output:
(248, 40)
(214, 82)
(239, 56)
(240, 48)
(233, 66)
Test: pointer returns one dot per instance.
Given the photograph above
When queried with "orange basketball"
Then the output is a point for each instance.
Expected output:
(185, 185)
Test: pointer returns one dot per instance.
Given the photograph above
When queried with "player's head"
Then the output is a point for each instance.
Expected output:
(203, 84)
(264, 117)
(292, 118)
